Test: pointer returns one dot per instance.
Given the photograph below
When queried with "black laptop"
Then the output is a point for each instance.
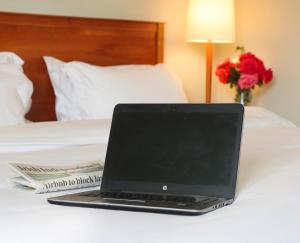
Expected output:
(168, 158)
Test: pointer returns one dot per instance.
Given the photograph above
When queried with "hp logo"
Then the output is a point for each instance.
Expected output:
(165, 188)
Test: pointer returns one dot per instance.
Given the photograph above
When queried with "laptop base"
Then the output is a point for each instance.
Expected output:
(165, 207)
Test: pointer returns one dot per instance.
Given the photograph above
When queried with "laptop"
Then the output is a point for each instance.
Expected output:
(168, 158)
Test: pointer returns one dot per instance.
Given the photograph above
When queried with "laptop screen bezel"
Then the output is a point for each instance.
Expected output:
(160, 188)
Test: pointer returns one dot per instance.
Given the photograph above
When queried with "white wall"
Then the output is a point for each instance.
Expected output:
(271, 29)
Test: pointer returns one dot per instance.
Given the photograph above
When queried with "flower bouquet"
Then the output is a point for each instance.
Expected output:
(244, 73)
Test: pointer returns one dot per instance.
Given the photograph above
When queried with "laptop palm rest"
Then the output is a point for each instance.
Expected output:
(93, 199)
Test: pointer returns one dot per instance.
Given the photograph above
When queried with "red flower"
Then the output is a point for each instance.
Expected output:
(268, 76)
(250, 64)
(261, 69)
(246, 55)
(247, 81)
(223, 71)
(223, 75)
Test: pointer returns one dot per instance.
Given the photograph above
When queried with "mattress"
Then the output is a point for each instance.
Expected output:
(266, 208)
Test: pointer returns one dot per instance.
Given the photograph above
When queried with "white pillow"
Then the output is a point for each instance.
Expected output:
(10, 58)
(15, 90)
(85, 91)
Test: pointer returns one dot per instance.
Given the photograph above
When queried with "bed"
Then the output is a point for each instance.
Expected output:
(267, 204)
(97, 41)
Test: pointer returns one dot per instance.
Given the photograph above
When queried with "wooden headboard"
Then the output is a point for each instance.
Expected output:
(96, 41)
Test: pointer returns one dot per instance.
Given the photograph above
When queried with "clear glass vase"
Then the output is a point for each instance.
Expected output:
(242, 98)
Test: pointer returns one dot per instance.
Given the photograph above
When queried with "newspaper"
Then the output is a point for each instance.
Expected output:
(43, 179)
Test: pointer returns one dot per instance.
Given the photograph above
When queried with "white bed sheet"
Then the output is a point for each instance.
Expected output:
(266, 208)
(52, 135)
(259, 117)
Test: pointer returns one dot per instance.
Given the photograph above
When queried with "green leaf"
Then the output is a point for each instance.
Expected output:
(234, 76)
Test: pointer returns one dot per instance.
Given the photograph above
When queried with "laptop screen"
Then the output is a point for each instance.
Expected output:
(192, 151)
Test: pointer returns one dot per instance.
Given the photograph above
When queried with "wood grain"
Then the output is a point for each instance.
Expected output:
(96, 41)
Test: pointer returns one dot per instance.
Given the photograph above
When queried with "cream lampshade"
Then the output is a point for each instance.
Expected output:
(210, 21)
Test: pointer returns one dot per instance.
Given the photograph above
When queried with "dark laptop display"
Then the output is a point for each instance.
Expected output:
(187, 150)
(174, 150)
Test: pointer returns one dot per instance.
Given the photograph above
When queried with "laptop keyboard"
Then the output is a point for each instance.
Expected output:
(151, 197)
(135, 196)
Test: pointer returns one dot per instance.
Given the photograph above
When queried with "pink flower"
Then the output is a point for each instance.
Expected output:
(268, 76)
(247, 81)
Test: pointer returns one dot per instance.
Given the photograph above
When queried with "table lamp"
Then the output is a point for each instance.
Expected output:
(210, 21)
